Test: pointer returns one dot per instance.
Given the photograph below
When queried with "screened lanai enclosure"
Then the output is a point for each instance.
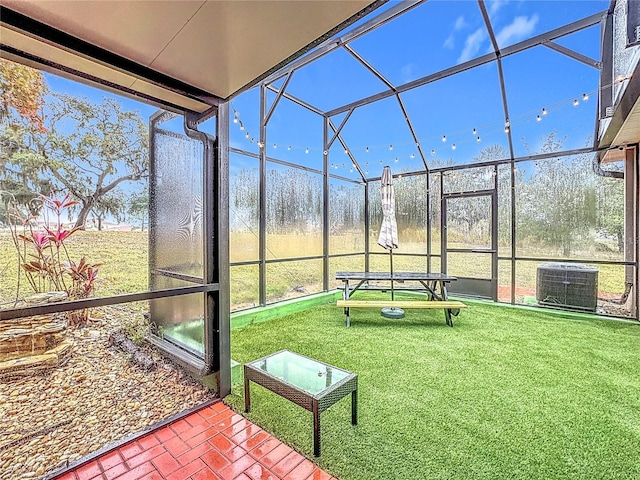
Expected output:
(511, 130)
(500, 172)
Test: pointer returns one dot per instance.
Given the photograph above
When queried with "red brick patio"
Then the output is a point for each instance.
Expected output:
(210, 443)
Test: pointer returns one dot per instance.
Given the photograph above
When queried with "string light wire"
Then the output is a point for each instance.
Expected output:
(487, 129)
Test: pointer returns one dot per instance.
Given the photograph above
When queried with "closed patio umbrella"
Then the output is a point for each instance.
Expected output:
(388, 238)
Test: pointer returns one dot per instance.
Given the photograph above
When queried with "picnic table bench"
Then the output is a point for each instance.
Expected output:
(433, 284)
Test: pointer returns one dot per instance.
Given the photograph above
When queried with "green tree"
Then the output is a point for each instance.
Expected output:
(113, 204)
(22, 97)
(610, 202)
(22, 91)
(139, 206)
(557, 207)
(88, 149)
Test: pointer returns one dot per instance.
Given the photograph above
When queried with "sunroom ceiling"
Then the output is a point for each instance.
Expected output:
(187, 53)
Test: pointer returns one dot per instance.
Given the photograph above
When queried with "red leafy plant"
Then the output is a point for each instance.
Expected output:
(43, 254)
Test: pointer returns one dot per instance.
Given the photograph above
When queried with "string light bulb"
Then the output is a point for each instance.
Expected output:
(507, 129)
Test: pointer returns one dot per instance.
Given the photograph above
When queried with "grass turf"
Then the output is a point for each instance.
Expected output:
(506, 393)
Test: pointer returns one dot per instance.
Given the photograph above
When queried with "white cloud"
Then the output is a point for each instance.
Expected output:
(517, 30)
(407, 72)
(450, 42)
(472, 45)
(496, 5)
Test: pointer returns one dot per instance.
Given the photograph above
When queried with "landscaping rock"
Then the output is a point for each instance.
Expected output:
(124, 343)
(97, 397)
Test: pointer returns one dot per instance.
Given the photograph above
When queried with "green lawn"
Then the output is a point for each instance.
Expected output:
(124, 256)
(506, 393)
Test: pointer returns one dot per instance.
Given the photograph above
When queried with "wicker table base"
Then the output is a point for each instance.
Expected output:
(311, 384)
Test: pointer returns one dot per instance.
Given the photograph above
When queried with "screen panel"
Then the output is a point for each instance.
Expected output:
(293, 279)
(244, 208)
(346, 217)
(411, 197)
(504, 281)
(564, 210)
(504, 210)
(244, 282)
(294, 212)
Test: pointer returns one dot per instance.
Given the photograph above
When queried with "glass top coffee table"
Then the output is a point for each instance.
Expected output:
(304, 381)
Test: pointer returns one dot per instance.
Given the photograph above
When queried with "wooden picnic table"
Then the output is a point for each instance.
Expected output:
(433, 284)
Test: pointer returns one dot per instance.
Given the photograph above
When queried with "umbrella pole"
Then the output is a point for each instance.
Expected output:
(392, 312)
(391, 269)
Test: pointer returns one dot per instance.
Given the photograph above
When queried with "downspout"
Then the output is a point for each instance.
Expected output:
(190, 126)
(215, 189)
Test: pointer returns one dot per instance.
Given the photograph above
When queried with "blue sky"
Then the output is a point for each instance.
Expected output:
(432, 37)
(436, 35)
(60, 84)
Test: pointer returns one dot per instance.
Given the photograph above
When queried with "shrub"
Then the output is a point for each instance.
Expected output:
(42, 251)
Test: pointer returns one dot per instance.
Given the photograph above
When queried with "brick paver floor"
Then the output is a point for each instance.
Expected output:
(210, 443)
